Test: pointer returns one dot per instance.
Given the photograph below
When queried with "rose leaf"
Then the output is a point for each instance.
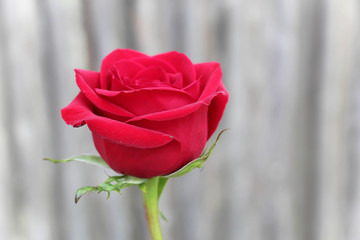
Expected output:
(91, 159)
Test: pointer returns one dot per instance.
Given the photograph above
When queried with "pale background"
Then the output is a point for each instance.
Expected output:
(287, 170)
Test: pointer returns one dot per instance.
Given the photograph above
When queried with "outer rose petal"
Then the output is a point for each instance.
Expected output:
(79, 112)
(190, 139)
(216, 110)
(91, 78)
(191, 131)
(108, 63)
(138, 162)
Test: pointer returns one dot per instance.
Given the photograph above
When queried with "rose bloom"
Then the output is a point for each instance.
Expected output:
(149, 116)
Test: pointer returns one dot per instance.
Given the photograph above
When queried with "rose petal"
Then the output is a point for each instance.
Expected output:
(93, 97)
(216, 109)
(150, 74)
(126, 134)
(139, 162)
(154, 62)
(151, 84)
(127, 68)
(191, 131)
(123, 71)
(193, 89)
(79, 112)
(176, 80)
(209, 75)
(91, 78)
(181, 63)
(119, 85)
(149, 100)
(174, 113)
(108, 63)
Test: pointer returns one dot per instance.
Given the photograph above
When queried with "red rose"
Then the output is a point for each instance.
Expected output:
(149, 116)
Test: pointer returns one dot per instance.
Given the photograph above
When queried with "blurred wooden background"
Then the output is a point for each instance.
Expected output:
(287, 170)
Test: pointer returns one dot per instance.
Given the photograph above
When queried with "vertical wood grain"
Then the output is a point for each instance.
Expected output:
(287, 169)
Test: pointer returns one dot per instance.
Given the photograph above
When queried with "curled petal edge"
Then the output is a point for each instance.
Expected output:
(99, 102)
(178, 112)
(78, 112)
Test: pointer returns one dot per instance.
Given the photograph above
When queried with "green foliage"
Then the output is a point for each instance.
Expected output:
(91, 159)
(161, 185)
(113, 183)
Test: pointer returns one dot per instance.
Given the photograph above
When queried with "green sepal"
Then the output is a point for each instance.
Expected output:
(113, 183)
(161, 185)
(197, 163)
(91, 159)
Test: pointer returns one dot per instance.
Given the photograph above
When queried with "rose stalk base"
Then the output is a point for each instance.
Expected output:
(151, 205)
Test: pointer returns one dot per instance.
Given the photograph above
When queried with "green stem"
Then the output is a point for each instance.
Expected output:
(151, 204)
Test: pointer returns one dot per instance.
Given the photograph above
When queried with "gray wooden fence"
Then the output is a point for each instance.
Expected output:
(287, 170)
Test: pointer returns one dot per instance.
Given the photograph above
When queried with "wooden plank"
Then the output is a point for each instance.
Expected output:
(288, 167)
